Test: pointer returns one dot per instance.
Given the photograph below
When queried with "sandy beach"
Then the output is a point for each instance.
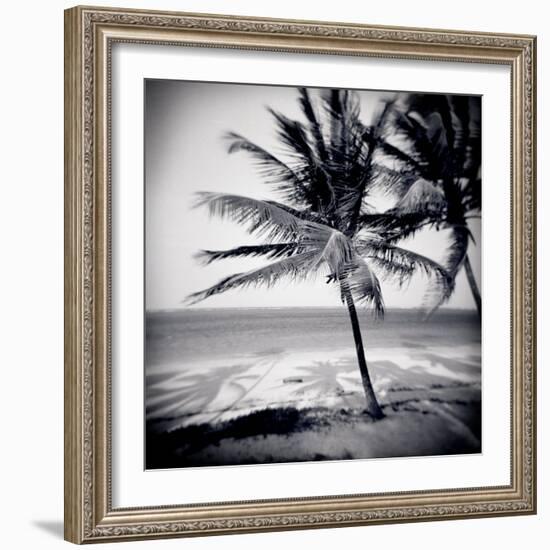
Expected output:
(221, 385)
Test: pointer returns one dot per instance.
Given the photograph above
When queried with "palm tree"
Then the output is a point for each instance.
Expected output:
(317, 226)
(437, 177)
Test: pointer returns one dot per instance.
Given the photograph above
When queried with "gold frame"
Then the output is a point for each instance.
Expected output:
(89, 35)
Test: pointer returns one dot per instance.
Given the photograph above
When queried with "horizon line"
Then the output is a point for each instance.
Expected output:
(191, 308)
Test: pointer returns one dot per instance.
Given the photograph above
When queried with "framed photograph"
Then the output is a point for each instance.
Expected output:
(300, 274)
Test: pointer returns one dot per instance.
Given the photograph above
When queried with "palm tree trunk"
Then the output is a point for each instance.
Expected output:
(473, 284)
(373, 408)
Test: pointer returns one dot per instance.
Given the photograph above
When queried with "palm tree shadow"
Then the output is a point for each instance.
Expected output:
(244, 391)
(469, 366)
(188, 394)
(325, 377)
(390, 376)
(171, 398)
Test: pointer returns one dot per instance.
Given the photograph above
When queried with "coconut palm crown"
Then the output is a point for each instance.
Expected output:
(436, 175)
(332, 164)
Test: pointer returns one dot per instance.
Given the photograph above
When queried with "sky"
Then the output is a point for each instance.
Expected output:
(185, 153)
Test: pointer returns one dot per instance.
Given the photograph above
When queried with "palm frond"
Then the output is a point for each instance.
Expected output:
(364, 285)
(400, 263)
(460, 115)
(422, 197)
(290, 236)
(391, 152)
(349, 162)
(269, 219)
(362, 168)
(391, 181)
(336, 251)
(471, 196)
(427, 105)
(297, 267)
(270, 251)
(317, 191)
(472, 158)
(342, 109)
(305, 214)
(264, 158)
(345, 155)
(420, 143)
(314, 123)
(293, 135)
(287, 181)
(393, 226)
(456, 254)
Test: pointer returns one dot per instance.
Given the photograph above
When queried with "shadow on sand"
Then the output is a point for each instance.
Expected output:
(434, 403)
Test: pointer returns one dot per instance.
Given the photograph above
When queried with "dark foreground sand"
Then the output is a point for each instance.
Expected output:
(413, 427)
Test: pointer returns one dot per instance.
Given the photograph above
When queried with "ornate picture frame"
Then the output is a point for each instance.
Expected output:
(90, 34)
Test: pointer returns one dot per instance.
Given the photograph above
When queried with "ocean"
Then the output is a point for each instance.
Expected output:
(192, 334)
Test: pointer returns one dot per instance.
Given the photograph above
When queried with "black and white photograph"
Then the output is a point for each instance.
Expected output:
(312, 274)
